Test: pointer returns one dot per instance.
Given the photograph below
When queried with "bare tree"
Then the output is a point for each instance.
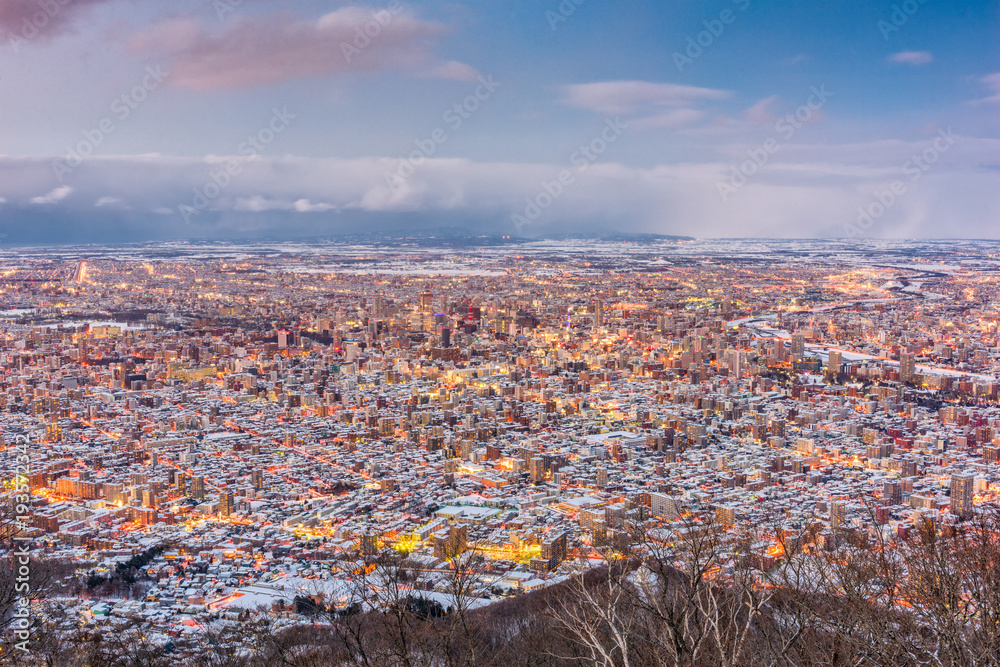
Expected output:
(459, 633)
(598, 618)
(376, 622)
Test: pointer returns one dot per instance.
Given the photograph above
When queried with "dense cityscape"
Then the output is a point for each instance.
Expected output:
(532, 333)
(218, 432)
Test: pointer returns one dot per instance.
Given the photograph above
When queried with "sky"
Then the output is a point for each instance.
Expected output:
(141, 120)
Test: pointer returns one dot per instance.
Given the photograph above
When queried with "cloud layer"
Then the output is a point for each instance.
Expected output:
(806, 191)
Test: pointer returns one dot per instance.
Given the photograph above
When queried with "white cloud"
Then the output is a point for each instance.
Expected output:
(626, 97)
(258, 204)
(992, 82)
(455, 71)
(265, 50)
(304, 206)
(912, 57)
(108, 201)
(762, 112)
(53, 197)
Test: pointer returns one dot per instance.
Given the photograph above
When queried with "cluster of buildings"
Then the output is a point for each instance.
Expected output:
(252, 425)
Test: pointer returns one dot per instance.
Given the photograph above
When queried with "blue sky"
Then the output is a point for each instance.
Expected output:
(161, 97)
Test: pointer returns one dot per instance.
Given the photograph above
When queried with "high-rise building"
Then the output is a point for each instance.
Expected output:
(907, 367)
(554, 548)
(257, 478)
(665, 507)
(835, 361)
(961, 494)
(725, 515)
(734, 359)
(426, 302)
(451, 542)
(798, 345)
(225, 504)
(892, 493)
(198, 487)
(838, 512)
(536, 469)
(368, 544)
